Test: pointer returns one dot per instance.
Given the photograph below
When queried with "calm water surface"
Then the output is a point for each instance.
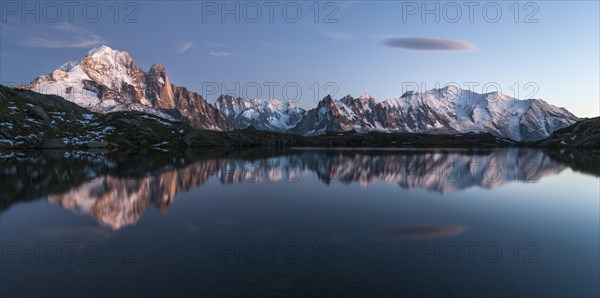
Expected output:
(301, 223)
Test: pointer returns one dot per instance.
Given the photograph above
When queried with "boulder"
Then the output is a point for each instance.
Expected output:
(38, 112)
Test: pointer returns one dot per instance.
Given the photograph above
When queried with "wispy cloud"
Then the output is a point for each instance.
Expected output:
(337, 35)
(57, 36)
(186, 47)
(221, 54)
(428, 44)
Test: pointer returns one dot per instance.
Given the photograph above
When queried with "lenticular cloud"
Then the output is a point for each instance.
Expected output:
(428, 44)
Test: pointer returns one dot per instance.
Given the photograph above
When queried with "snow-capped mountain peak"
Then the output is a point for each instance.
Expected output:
(101, 50)
(262, 114)
(366, 96)
(107, 80)
(453, 89)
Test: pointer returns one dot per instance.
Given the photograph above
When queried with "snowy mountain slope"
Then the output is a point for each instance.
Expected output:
(272, 114)
(106, 80)
(446, 110)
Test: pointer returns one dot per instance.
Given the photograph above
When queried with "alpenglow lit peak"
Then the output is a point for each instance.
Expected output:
(107, 80)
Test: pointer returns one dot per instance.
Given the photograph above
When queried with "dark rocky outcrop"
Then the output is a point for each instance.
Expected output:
(583, 134)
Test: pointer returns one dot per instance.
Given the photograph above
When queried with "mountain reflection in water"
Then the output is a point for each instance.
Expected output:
(116, 189)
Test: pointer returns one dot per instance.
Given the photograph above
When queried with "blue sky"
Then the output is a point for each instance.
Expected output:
(374, 47)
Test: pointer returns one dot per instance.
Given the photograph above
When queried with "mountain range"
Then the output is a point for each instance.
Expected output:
(271, 115)
(107, 80)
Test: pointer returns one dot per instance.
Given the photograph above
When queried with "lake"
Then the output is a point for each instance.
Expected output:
(301, 223)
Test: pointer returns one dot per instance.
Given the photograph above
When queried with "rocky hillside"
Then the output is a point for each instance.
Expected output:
(33, 120)
(583, 134)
